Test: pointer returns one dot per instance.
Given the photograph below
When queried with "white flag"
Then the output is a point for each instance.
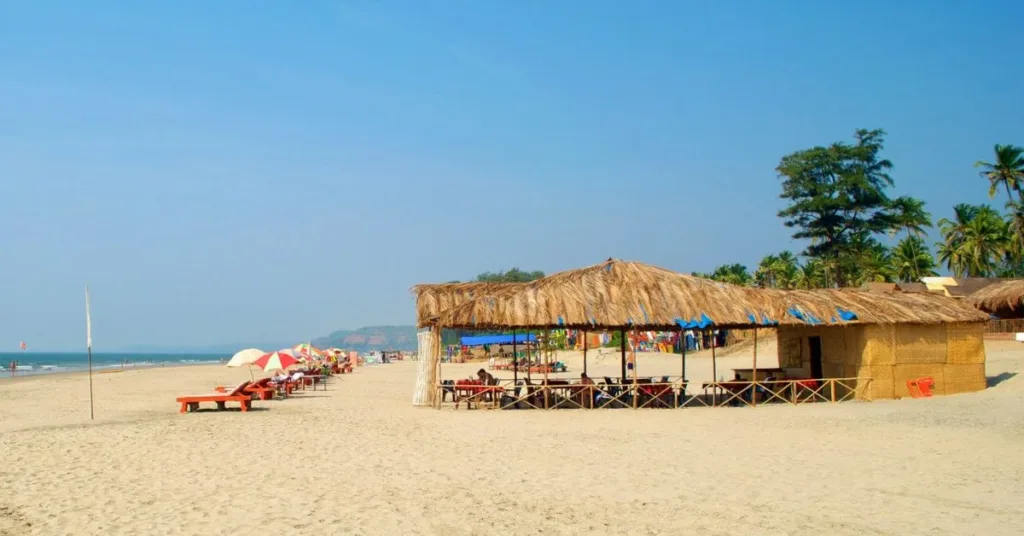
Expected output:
(88, 321)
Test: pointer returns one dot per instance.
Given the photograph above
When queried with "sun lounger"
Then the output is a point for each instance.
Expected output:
(238, 394)
(261, 389)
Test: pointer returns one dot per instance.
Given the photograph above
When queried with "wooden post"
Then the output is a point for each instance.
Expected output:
(622, 346)
(633, 355)
(515, 363)
(682, 348)
(753, 395)
(547, 347)
(714, 368)
(529, 360)
(584, 352)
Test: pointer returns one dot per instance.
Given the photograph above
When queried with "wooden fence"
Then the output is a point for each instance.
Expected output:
(1015, 325)
(668, 393)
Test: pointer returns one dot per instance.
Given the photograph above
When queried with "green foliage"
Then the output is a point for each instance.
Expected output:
(735, 274)
(515, 275)
(615, 341)
(1007, 171)
(810, 274)
(777, 271)
(911, 260)
(838, 200)
(976, 242)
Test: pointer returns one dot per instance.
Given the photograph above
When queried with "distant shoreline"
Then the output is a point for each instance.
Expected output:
(5, 375)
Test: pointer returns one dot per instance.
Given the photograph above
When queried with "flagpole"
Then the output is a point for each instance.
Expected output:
(88, 345)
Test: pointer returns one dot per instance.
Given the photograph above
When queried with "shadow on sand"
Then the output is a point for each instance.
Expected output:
(993, 381)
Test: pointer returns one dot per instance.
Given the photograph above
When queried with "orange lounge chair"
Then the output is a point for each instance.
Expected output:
(238, 394)
(260, 389)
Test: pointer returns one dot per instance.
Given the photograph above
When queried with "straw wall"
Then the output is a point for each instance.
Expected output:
(953, 355)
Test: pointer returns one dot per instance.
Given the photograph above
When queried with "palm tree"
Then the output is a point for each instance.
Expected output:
(735, 274)
(1007, 171)
(911, 260)
(810, 274)
(874, 265)
(909, 215)
(985, 242)
(1015, 227)
(765, 275)
(785, 270)
(976, 243)
(950, 252)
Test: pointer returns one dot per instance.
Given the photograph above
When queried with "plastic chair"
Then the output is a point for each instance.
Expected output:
(921, 387)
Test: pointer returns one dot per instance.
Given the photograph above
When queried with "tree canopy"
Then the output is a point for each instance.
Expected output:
(838, 200)
(513, 275)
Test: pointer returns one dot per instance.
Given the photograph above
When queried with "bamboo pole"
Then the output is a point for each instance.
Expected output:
(584, 352)
(753, 396)
(622, 346)
(515, 364)
(633, 355)
(547, 358)
(714, 368)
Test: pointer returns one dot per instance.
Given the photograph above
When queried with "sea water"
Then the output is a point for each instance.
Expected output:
(50, 362)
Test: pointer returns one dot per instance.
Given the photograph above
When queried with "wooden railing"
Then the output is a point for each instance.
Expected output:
(1015, 325)
(674, 393)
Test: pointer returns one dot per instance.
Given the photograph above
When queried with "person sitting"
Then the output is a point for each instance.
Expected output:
(589, 394)
(486, 378)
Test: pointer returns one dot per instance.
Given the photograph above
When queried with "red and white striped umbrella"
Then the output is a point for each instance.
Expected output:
(280, 360)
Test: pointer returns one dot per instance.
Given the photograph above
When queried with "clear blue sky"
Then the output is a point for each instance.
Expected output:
(264, 171)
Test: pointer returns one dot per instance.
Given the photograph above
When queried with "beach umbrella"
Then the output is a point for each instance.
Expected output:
(245, 357)
(279, 360)
(308, 350)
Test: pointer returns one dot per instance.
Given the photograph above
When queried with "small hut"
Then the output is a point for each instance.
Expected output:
(1004, 300)
(895, 337)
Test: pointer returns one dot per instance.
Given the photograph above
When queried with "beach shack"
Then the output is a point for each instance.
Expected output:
(888, 340)
(834, 344)
(889, 356)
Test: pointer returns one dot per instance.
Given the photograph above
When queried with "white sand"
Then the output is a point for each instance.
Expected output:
(358, 459)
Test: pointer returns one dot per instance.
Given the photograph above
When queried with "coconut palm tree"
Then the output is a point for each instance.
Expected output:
(735, 274)
(1007, 171)
(985, 243)
(765, 275)
(810, 274)
(910, 216)
(873, 265)
(911, 260)
(976, 242)
(785, 270)
(950, 252)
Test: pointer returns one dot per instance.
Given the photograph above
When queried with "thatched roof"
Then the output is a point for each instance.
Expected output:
(1005, 295)
(625, 295)
(828, 306)
(432, 300)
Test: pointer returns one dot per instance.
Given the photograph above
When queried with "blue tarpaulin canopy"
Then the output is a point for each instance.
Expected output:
(496, 339)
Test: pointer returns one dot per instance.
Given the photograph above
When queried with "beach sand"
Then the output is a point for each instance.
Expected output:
(359, 459)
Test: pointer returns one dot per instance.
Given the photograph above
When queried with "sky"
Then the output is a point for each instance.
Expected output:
(235, 171)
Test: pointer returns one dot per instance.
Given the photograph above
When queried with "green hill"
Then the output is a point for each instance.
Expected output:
(371, 338)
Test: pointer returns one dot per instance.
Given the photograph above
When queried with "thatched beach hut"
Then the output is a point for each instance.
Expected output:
(825, 334)
(894, 338)
(1004, 300)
